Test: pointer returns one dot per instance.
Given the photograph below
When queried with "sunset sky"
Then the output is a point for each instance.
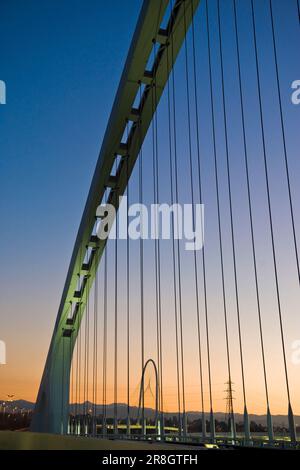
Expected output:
(62, 65)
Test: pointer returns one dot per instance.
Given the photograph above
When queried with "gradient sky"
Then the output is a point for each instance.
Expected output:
(61, 65)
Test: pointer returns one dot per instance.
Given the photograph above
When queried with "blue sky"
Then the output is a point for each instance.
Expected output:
(61, 65)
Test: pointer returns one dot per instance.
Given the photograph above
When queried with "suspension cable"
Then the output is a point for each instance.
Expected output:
(116, 327)
(76, 369)
(104, 371)
(128, 290)
(63, 385)
(249, 198)
(87, 348)
(177, 241)
(95, 353)
(157, 241)
(141, 189)
(71, 402)
(284, 143)
(79, 341)
(80, 335)
(269, 204)
(187, 79)
(216, 182)
(80, 409)
(84, 357)
(203, 248)
(155, 229)
(173, 240)
(231, 214)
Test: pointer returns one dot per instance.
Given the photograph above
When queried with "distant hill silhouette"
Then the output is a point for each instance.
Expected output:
(278, 420)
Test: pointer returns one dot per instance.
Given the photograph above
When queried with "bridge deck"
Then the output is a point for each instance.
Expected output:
(10, 440)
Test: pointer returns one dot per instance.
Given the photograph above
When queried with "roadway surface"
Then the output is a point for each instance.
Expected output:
(13, 440)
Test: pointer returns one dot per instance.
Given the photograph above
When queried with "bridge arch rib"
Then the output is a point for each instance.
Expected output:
(51, 411)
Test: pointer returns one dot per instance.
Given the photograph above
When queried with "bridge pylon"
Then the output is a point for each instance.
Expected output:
(51, 413)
